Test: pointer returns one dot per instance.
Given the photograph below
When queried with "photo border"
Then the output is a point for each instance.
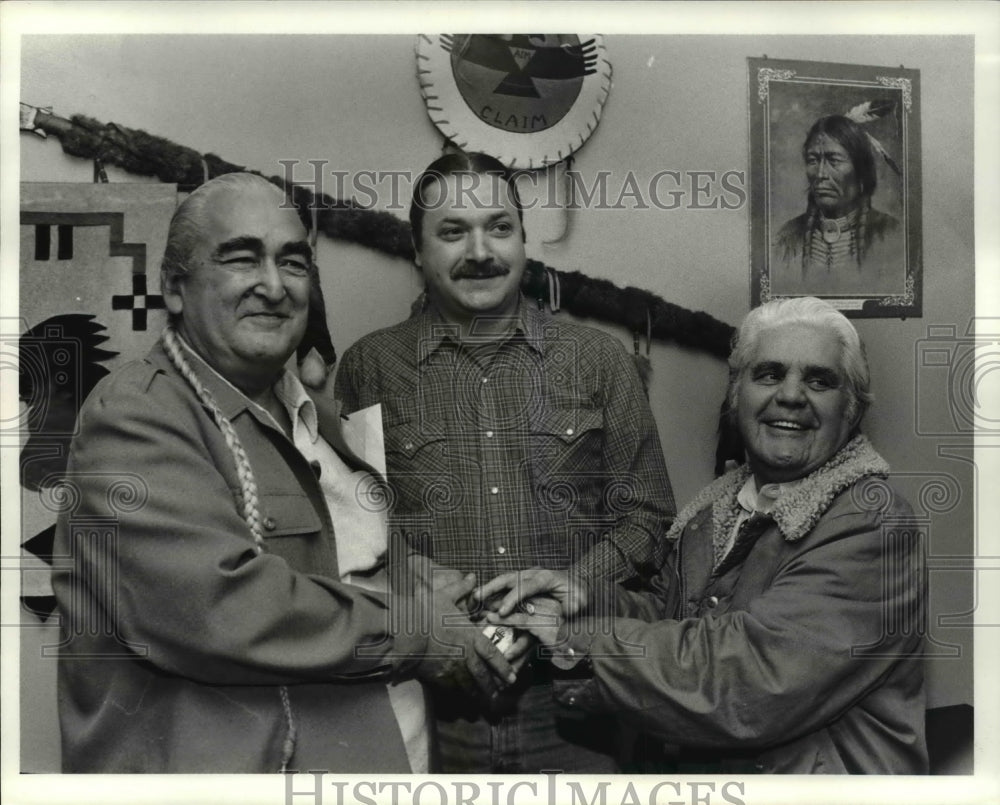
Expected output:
(899, 82)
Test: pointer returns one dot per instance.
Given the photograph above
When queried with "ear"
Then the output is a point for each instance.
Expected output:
(416, 254)
(858, 416)
(170, 286)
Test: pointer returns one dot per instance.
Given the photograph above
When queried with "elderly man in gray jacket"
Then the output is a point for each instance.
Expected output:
(227, 606)
(784, 633)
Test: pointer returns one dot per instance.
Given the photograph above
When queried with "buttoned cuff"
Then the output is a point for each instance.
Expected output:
(566, 658)
(572, 650)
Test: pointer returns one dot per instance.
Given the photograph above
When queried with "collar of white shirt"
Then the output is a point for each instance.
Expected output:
(764, 499)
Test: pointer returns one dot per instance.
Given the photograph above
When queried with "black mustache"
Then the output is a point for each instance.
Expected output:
(477, 271)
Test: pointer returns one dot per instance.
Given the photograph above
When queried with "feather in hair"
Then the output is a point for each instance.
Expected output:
(878, 149)
(870, 110)
(867, 112)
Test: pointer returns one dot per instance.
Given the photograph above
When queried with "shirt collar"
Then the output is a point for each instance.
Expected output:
(289, 391)
(434, 330)
(300, 406)
(764, 499)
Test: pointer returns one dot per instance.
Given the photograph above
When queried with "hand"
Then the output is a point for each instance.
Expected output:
(517, 655)
(458, 654)
(542, 617)
(569, 589)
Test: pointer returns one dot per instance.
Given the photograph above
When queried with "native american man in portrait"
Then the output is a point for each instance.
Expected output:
(841, 244)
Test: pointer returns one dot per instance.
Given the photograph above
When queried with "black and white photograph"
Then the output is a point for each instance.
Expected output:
(836, 203)
(602, 416)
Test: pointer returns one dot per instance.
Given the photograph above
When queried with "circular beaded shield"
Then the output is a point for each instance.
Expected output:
(530, 100)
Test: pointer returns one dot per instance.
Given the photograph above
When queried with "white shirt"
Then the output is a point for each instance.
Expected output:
(755, 501)
(361, 540)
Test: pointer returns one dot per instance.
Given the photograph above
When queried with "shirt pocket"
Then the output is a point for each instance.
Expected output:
(409, 432)
(288, 514)
(570, 425)
(418, 466)
(567, 463)
(291, 529)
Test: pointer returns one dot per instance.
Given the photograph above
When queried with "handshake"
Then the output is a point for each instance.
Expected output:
(480, 638)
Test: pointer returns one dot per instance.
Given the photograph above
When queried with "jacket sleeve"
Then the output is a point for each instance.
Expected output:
(823, 634)
(179, 580)
(638, 494)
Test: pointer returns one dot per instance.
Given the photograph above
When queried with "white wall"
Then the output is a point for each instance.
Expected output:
(677, 103)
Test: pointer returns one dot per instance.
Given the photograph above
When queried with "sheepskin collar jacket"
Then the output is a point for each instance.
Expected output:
(798, 652)
(799, 508)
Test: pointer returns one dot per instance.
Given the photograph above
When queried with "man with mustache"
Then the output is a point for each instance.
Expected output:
(512, 439)
(841, 244)
(226, 608)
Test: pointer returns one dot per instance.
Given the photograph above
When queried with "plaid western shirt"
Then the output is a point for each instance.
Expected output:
(539, 450)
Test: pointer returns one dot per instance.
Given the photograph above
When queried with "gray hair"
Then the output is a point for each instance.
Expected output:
(810, 312)
(186, 223)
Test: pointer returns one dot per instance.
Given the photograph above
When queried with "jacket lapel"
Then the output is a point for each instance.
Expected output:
(232, 403)
(328, 416)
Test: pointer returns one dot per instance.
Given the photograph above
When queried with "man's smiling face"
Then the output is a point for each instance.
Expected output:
(244, 302)
(792, 403)
(472, 251)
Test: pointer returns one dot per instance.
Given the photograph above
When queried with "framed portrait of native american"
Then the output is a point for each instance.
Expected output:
(835, 198)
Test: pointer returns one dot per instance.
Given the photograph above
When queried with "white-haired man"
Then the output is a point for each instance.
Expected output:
(227, 606)
(784, 634)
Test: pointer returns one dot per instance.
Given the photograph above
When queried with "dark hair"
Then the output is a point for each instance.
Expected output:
(854, 141)
(450, 165)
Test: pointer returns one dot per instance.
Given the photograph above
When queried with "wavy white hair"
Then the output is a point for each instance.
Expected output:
(810, 312)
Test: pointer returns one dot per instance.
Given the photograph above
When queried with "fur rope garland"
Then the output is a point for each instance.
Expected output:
(144, 154)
